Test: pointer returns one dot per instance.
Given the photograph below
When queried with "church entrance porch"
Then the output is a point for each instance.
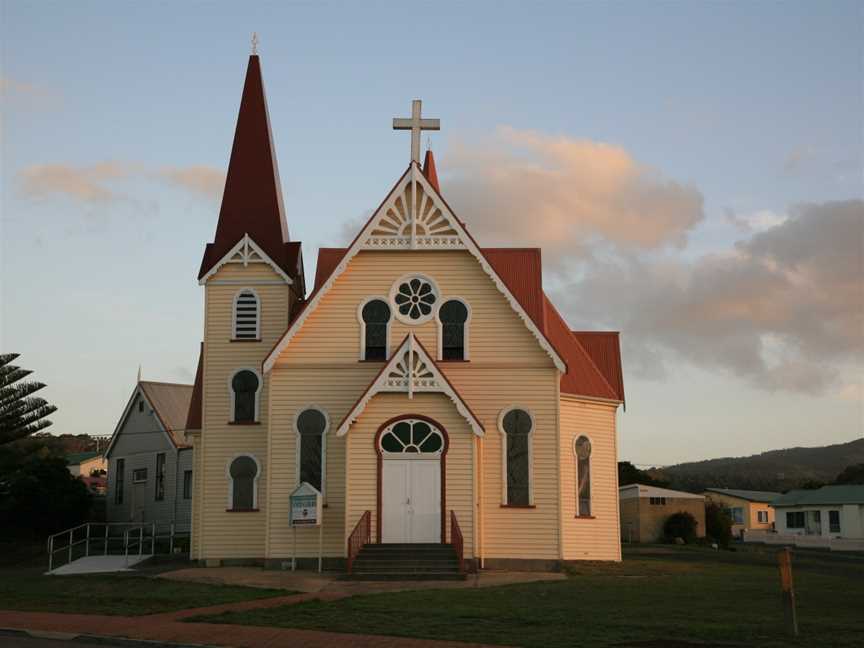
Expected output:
(411, 464)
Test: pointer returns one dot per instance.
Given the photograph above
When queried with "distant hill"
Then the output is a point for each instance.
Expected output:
(776, 470)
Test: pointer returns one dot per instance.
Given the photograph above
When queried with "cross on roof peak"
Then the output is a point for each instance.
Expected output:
(254, 43)
(416, 124)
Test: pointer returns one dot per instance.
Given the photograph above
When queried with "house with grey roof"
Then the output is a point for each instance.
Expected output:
(149, 458)
(827, 512)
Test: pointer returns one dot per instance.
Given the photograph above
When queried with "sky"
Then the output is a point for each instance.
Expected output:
(692, 171)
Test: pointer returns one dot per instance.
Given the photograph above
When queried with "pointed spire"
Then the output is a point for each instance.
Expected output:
(139, 373)
(252, 200)
(429, 170)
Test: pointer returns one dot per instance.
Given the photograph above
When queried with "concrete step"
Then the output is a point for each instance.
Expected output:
(400, 576)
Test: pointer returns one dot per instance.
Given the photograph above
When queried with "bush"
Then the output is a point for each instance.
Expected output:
(38, 495)
(680, 525)
(718, 524)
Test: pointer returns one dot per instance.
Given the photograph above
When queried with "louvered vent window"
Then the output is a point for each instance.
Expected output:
(246, 312)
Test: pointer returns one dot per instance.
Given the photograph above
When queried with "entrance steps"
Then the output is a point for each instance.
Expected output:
(394, 561)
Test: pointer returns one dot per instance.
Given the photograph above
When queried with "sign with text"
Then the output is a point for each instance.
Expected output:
(305, 506)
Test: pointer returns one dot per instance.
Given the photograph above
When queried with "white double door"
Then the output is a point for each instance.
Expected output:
(411, 500)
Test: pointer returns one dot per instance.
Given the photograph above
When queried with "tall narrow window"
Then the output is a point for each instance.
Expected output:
(376, 320)
(187, 484)
(517, 427)
(160, 477)
(120, 469)
(454, 317)
(311, 426)
(246, 316)
(583, 475)
(834, 521)
(244, 387)
(243, 473)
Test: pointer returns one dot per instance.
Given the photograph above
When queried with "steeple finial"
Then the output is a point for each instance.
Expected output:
(139, 373)
(254, 43)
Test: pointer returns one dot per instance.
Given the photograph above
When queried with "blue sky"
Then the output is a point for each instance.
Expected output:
(754, 107)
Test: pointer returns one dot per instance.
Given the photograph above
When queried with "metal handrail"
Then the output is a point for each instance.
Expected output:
(91, 534)
(359, 536)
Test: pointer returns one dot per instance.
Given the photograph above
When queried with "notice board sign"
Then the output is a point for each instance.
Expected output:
(305, 506)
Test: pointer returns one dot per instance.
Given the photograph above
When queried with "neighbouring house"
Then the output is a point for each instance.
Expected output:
(830, 512)
(150, 460)
(426, 387)
(96, 485)
(750, 510)
(645, 509)
(84, 464)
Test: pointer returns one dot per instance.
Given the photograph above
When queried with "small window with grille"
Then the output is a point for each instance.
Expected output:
(246, 315)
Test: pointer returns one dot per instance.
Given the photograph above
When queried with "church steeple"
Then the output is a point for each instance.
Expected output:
(252, 200)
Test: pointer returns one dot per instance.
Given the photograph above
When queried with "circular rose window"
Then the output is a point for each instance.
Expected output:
(414, 298)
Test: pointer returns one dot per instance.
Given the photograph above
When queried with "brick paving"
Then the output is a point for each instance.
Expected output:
(170, 627)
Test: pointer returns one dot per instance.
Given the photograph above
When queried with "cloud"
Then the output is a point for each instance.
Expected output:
(566, 195)
(783, 309)
(29, 95)
(757, 221)
(83, 183)
(203, 180)
(96, 184)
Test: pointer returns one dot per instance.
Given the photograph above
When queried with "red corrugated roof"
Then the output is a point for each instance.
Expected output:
(583, 378)
(252, 200)
(328, 259)
(193, 417)
(604, 347)
(522, 270)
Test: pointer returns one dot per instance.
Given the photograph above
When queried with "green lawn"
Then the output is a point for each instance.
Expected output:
(656, 597)
(24, 587)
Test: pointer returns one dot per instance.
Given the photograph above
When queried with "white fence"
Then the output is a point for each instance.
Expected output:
(804, 541)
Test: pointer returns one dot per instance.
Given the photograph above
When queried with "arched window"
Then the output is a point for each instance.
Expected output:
(375, 316)
(517, 425)
(412, 437)
(582, 448)
(453, 316)
(244, 396)
(243, 484)
(311, 424)
(247, 315)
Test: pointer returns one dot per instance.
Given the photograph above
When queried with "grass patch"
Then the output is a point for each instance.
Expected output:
(24, 587)
(657, 595)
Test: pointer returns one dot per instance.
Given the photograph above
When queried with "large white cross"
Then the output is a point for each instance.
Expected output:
(416, 125)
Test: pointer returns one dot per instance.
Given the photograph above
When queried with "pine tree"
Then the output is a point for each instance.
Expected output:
(21, 413)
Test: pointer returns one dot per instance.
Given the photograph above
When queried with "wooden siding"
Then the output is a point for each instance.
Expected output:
(331, 334)
(220, 533)
(362, 473)
(597, 538)
(334, 392)
(507, 368)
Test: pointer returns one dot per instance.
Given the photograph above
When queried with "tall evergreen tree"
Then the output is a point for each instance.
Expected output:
(21, 413)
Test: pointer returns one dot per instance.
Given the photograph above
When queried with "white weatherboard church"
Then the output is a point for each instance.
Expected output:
(423, 384)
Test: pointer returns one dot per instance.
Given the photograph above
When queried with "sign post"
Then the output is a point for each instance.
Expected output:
(790, 619)
(305, 505)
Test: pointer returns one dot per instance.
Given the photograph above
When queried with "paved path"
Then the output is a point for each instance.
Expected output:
(170, 627)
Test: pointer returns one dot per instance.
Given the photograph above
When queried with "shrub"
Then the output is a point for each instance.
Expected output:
(680, 525)
(718, 524)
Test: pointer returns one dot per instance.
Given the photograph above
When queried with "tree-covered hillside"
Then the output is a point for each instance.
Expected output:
(776, 470)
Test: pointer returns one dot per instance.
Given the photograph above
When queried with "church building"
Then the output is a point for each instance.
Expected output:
(425, 385)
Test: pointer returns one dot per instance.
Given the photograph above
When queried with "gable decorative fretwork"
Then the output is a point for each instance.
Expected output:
(412, 218)
(246, 251)
(411, 370)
